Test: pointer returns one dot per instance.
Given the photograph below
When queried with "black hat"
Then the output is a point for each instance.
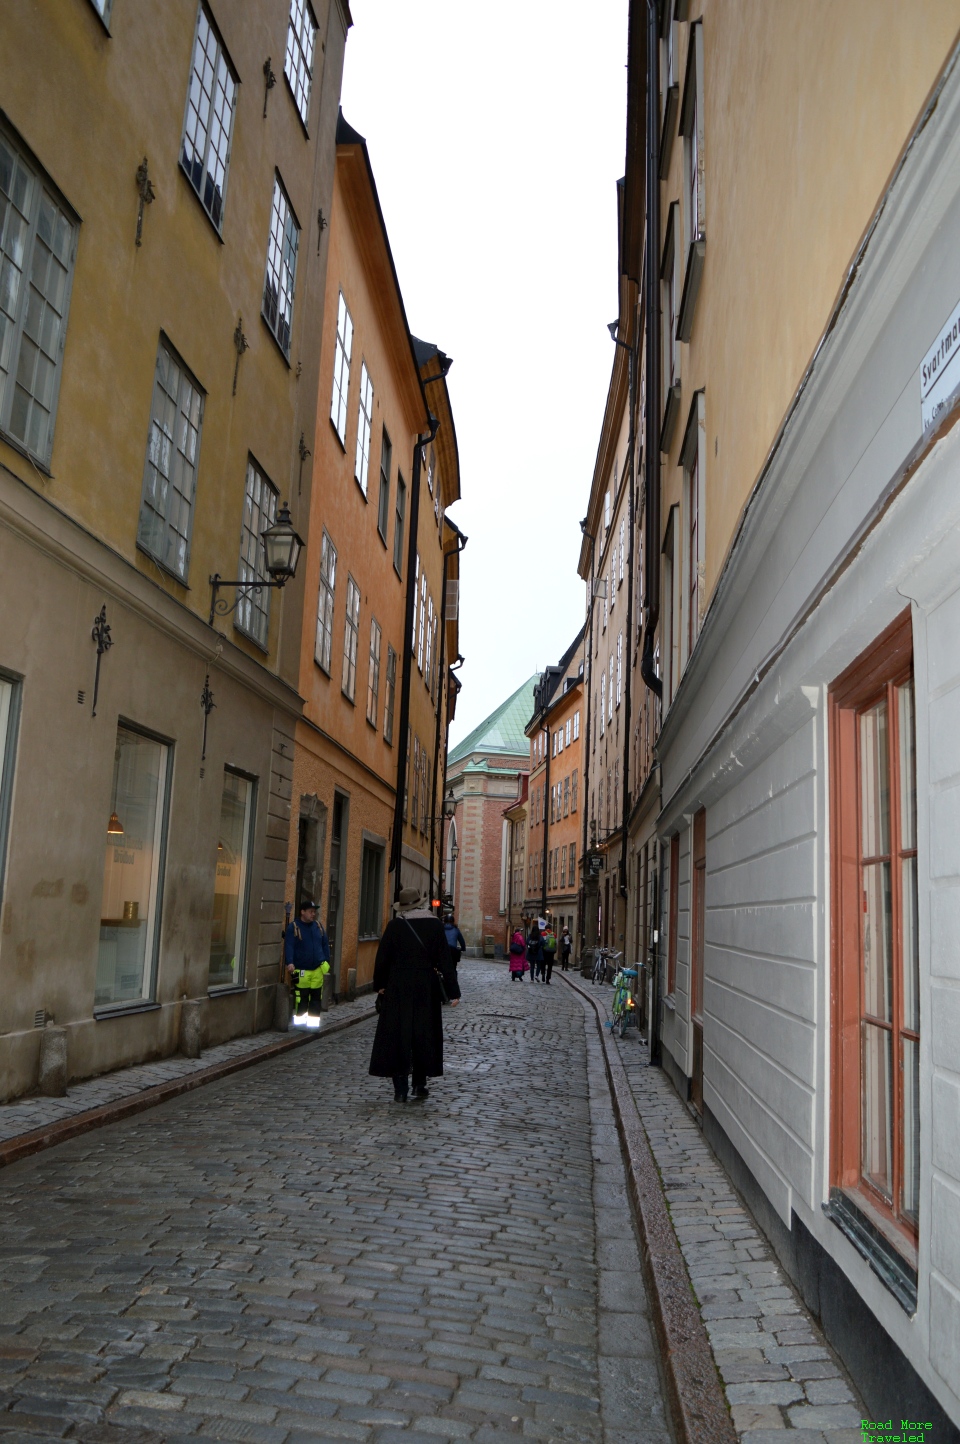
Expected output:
(307, 904)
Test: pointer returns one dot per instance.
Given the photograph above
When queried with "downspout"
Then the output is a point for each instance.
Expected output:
(546, 830)
(451, 681)
(410, 611)
(652, 306)
(585, 794)
(626, 666)
(441, 687)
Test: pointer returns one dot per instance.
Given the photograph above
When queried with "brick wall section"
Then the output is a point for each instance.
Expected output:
(482, 797)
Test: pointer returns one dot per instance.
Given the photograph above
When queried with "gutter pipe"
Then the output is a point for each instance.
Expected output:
(651, 283)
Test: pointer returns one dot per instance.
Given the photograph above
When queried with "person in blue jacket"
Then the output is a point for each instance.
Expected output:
(306, 951)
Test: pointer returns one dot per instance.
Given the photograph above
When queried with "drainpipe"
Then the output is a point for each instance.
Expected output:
(451, 682)
(441, 684)
(626, 667)
(652, 306)
(546, 830)
(410, 612)
(585, 793)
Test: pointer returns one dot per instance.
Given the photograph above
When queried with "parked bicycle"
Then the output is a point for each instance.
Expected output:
(605, 957)
(624, 1002)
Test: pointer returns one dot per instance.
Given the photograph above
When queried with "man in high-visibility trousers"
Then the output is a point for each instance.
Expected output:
(306, 951)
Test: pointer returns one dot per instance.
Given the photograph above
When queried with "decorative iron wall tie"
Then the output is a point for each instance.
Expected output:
(304, 453)
(147, 195)
(208, 704)
(321, 227)
(101, 635)
(269, 81)
(240, 344)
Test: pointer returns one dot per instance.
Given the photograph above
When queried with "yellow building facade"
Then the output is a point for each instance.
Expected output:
(163, 266)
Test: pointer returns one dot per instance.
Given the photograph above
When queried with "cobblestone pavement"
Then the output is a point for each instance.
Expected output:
(778, 1372)
(286, 1255)
(25, 1114)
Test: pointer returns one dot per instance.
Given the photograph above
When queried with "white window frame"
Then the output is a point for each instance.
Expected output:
(351, 637)
(280, 279)
(37, 221)
(619, 663)
(218, 138)
(326, 602)
(298, 60)
(178, 442)
(692, 457)
(576, 725)
(383, 501)
(620, 551)
(373, 675)
(420, 619)
(428, 644)
(343, 351)
(361, 470)
(252, 614)
(389, 695)
(568, 729)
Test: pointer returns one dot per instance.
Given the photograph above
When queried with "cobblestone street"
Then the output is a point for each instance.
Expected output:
(287, 1255)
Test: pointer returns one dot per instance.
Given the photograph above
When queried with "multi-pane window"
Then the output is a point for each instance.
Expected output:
(351, 633)
(422, 611)
(341, 370)
(323, 648)
(390, 692)
(613, 578)
(298, 64)
(567, 729)
(693, 175)
(259, 511)
(693, 553)
(435, 673)
(371, 890)
(208, 123)
(610, 685)
(383, 509)
(278, 285)
(563, 866)
(428, 643)
(575, 777)
(603, 697)
(877, 956)
(103, 8)
(566, 796)
(576, 725)
(361, 469)
(170, 469)
(373, 676)
(228, 927)
(415, 789)
(424, 788)
(619, 663)
(621, 551)
(37, 252)
(398, 525)
(572, 872)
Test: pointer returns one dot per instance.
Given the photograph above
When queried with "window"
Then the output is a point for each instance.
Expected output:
(619, 663)
(673, 913)
(553, 810)
(609, 796)
(298, 64)
(373, 675)
(383, 509)
(422, 615)
(133, 870)
(424, 788)
(371, 890)
(428, 643)
(170, 469)
(406, 776)
(364, 421)
(559, 740)
(280, 279)
(341, 370)
(9, 697)
(566, 797)
(610, 689)
(435, 674)
(620, 552)
(390, 691)
(691, 128)
(563, 867)
(398, 526)
(351, 633)
(208, 123)
(103, 8)
(603, 698)
(876, 957)
(576, 725)
(613, 579)
(37, 253)
(575, 778)
(669, 268)
(415, 790)
(572, 872)
(252, 616)
(568, 729)
(606, 511)
(600, 802)
(228, 929)
(323, 649)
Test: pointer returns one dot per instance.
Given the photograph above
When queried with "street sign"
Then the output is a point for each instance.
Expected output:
(940, 370)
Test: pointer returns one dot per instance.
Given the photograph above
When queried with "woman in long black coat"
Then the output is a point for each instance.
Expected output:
(412, 959)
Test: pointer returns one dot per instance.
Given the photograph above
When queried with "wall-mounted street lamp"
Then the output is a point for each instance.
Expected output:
(454, 851)
(449, 805)
(281, 548)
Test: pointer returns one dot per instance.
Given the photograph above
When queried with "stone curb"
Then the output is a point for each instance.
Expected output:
(13, 1149)
(698, 1406)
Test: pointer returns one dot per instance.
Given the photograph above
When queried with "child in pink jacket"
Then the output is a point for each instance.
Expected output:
(518, 957)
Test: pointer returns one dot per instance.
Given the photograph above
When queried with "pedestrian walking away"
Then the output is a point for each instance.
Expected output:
(455, 940)
(412, 974)
(566, 947)
(306, 952)
(535, 952)
(518, 957)
(549, 942)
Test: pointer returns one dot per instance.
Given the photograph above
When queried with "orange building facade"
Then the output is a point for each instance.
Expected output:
(555, 799)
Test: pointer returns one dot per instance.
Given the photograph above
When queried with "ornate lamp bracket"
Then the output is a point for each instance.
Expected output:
(240, 344)
(322, 224)
(304, 451)
(208, 704)
(147, 195)
(101, 635)
(269, 81)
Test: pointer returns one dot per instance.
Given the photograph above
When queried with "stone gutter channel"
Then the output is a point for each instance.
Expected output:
(743, 1360)
(29, 1125)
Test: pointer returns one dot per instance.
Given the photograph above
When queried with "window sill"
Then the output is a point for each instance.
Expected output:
(859, 1222)
(255, 641)
(362, 492)
(123, 1010)
(171, 576)
(273, 337)
(670, 1002)
(340, 440)
(21, 450)
(347, 698)
(296, 108)
(382, 538)
(196, 195)
(670, 413)
(321, 668)
(669, 129)
(228, 990)
(691, 287)
(369, 937)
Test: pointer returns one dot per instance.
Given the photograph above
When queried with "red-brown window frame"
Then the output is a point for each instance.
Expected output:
(674, 913)
(886, 664)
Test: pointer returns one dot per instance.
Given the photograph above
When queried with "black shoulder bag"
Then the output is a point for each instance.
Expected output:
(444, 995)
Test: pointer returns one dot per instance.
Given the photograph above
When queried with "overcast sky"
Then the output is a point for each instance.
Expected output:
(497, 136)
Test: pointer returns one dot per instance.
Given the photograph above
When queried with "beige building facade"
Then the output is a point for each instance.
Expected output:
(158, 366)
